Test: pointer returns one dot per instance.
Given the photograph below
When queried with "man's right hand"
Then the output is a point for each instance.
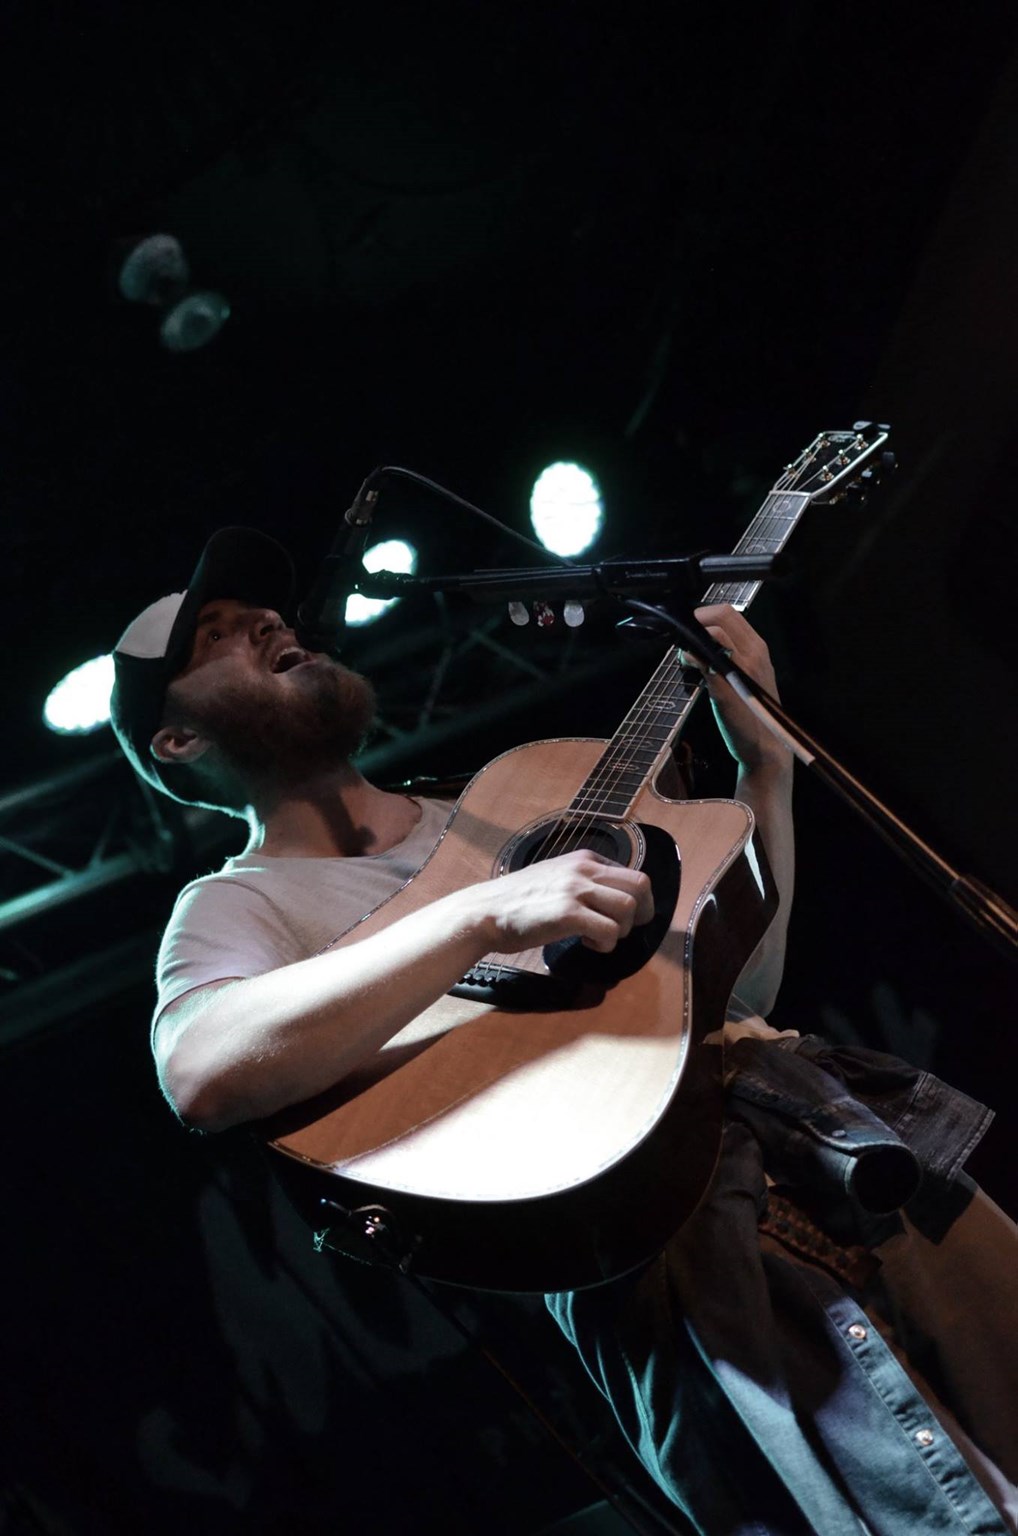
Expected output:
(576, 894)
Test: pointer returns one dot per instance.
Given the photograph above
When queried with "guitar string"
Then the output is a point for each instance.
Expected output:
(761, 534)
(674, 685)
(671, 682)
(758, 537)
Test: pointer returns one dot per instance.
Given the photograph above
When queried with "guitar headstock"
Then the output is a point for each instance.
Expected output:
(840, 464)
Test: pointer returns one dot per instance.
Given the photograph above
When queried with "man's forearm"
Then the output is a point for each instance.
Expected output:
(240, 1049)
(243, 1048)
(767, 790)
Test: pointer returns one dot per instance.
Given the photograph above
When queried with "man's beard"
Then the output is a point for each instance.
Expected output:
(271, 741)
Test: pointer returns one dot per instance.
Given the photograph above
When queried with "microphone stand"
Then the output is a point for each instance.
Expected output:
(578, 583)
(994, 917)
(988, 911)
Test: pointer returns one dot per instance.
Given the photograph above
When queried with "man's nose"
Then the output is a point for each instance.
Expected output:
(264, 621)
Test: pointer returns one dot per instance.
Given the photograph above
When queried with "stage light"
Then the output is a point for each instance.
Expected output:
(566, 508)
(155, 271)
(391, 555)
(193, 321)
(80, 702)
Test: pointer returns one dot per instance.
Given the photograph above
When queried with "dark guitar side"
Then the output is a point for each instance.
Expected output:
(550, 1149)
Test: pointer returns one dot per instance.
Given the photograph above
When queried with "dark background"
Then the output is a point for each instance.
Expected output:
(672, 242)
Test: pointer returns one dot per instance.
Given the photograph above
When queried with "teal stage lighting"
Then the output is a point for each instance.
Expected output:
(80, 702)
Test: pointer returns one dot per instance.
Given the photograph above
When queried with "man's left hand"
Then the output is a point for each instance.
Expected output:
(747, 738)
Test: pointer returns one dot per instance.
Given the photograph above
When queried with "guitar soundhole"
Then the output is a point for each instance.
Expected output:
(621, 842)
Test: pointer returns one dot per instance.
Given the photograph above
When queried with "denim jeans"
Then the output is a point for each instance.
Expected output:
(768, 1396)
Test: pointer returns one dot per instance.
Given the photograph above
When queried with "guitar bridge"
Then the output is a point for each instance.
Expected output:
(510, 987)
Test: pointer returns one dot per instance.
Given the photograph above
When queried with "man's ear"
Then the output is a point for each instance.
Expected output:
(178, 744)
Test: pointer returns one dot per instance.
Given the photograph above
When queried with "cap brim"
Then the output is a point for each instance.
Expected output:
(238, 563)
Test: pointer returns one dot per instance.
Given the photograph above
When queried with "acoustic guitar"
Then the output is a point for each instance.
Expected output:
(553, 1119)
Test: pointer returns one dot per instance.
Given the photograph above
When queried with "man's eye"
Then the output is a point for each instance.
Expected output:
(214, 634)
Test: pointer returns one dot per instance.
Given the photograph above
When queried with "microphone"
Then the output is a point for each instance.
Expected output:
(321, 617)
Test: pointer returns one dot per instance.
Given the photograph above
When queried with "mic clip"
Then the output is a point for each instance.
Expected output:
(362, 509)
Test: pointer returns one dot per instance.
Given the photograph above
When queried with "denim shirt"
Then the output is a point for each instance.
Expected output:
(753, 1385)
(866, 1134)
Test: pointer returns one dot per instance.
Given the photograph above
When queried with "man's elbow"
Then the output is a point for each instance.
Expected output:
(197, 1083)
(202, 1101)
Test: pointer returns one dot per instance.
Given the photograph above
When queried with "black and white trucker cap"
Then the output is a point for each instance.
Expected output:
(238, 563)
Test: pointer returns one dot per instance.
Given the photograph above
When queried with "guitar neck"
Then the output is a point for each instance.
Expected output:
(767, 534)
(660, 713)
(833, 464)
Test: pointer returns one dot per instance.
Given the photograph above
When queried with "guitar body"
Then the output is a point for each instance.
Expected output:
(552, 1121)
(557, 1140)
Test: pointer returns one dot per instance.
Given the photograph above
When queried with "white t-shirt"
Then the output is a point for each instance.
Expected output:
(259, 912)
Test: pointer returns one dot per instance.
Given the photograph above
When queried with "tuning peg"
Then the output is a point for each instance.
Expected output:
(861, 486)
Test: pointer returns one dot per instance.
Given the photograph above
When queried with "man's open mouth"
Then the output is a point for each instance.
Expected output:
(291, 656)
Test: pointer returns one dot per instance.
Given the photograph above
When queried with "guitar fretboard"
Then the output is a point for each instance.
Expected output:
(631, 757)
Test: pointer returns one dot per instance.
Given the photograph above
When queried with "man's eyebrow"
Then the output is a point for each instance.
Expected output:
(214, 616)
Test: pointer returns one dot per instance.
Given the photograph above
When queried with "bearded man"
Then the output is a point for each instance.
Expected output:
(798, 1358)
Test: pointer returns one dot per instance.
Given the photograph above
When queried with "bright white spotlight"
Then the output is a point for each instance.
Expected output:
(566, 508)
(80, 702)
(391, 555)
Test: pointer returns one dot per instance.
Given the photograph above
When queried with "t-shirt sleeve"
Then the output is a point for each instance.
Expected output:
(220, 928)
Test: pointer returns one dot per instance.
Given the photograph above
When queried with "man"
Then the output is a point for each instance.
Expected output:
(742, 1363)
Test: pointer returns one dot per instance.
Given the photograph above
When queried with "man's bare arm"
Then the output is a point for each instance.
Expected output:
(764, 783)
(238, 1050)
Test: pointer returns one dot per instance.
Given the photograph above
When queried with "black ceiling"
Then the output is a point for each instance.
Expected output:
(465, 240)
